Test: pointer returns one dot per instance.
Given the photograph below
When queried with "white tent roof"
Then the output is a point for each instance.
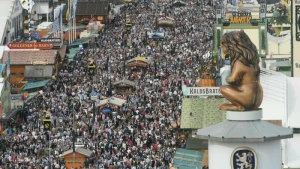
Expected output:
(5, 12)
(112, 100)
(274, 84)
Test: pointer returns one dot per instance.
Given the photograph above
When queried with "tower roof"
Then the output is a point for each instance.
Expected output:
(248, 129)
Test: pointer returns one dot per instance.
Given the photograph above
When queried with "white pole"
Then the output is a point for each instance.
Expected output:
(61, 26)
(49, 145)
(69, 23)
(72, 21)
(73, 29)
(29, 19)
(74, 26)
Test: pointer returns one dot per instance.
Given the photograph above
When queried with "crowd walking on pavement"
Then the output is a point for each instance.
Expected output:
(143, 133)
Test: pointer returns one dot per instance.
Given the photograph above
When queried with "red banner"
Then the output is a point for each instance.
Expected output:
(30, 45)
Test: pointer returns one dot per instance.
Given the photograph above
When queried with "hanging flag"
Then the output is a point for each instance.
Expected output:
(56, 24)
(69, 11)
(74, 8)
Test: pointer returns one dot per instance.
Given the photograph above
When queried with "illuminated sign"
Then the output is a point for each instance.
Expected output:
(30, 45)
(240, 17)
(54, 40)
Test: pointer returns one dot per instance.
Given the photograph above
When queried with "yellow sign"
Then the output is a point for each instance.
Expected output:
(240, 17)
(140, 58)
(39, 63)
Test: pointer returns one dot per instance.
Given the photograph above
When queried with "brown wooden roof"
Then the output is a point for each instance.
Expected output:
(124, 82)
(27, 57)
(92, 8)
(137, 64)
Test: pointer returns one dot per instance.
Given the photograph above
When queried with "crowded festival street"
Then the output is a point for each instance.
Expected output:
(144, 131)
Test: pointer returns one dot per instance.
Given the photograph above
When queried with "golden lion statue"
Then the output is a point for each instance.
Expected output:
(244, 90)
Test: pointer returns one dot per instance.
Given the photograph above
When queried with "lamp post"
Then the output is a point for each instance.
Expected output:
(73, 140)
(73, 130)
(218, 14)
(94, 96)
(165, 11)
(262, 11)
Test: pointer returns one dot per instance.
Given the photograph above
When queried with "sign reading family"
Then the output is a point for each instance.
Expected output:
(30, 45)
(201, 91)
(240, 17)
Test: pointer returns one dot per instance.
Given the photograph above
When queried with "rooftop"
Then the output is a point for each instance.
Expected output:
(112, 100)
(28, 57)
(205, 112)
(188, 159)
(80, 150)
(92, 8)
(34, 85)
(244, 126)
(124, 81)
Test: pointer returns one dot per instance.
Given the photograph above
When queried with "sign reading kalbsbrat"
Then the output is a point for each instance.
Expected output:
(30, 45)
(201, 91)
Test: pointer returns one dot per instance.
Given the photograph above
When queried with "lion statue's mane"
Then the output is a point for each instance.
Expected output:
(241, 48)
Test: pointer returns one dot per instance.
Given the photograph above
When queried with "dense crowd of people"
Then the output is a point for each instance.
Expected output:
(142, 133)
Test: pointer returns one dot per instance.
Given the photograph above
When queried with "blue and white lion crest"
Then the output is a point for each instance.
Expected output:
(243, 158)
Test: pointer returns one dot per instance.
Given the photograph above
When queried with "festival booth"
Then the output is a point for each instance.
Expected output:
(106, 104)
(76, 159)
(166, 22)
(30, 64)
(137, 63)
(124, 86)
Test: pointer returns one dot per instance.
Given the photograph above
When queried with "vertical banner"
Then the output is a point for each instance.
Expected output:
(69, 19)
(56, 23)
(69, 11)
(74, 18)
(74, 8)
(62, 7)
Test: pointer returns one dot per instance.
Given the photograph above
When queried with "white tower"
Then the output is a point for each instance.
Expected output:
(244, 141)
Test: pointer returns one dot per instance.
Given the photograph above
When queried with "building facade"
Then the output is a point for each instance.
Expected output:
(11, 21)
(86, 9)
(16, 22)
(42, 11)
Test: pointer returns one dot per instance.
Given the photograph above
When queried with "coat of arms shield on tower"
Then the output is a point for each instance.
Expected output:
(243, 158)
